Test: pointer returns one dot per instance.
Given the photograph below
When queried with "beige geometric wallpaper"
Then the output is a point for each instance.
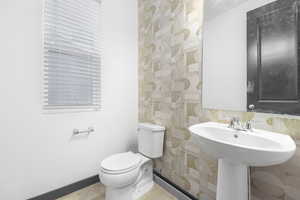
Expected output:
(170, 94)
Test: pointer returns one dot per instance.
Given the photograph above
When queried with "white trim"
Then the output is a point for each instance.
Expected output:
(42, 80)
(66, 111)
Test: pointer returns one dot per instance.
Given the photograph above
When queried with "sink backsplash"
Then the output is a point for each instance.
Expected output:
(170, 94)
(284, 124)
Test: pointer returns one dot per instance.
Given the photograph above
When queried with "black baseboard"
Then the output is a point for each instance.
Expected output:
(52, 195)
(67, 189)
(190, 196)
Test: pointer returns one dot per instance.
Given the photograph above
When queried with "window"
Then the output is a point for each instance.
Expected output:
(71, 54)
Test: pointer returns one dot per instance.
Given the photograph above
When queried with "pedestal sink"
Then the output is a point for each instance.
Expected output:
(237, 150)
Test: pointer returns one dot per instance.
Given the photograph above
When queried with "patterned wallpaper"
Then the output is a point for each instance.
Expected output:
(170, 94)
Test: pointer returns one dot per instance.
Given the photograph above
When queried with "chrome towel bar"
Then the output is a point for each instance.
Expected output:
(88, 131)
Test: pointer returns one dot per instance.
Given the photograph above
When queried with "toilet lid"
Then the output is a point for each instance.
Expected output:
(121, 161)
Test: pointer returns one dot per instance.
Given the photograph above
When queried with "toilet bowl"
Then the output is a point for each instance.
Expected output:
(127, 176)
(128, 180)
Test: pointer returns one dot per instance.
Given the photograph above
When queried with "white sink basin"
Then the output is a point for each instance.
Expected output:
(256, 148)
(236, 150)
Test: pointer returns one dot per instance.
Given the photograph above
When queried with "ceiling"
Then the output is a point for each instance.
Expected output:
(213, 8)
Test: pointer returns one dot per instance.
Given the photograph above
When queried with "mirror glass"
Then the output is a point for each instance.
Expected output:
(250, 56)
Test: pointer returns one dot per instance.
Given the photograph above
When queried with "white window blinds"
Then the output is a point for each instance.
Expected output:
(71, 54)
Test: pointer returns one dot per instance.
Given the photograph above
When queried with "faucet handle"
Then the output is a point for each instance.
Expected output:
(249, 125)
(236, 120)
(233, 122)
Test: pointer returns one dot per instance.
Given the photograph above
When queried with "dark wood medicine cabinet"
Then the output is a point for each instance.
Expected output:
(273, 75)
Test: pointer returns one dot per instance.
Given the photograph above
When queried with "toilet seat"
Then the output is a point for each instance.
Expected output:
(120, 163)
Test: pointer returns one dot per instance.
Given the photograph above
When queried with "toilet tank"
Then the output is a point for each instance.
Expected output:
(151, 139)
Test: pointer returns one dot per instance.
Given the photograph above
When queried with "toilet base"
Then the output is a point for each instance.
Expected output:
(142, 191)
(127, 193)
(118, 193)
(142, 185)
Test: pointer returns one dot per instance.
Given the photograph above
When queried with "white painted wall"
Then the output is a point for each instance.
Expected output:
(37, 151)
(225, 58)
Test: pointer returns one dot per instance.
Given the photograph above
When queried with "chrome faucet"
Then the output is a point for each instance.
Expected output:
(236, 124)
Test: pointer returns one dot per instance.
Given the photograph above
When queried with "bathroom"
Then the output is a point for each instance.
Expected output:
(166, 68)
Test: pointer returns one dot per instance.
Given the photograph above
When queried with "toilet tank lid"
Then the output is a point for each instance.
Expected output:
(152, 127)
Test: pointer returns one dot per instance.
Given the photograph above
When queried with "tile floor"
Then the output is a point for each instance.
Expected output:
(96, 192)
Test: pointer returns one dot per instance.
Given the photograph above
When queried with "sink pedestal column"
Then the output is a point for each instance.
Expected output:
(232, 181)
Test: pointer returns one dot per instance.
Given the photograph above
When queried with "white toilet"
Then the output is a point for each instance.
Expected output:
(128, 176)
